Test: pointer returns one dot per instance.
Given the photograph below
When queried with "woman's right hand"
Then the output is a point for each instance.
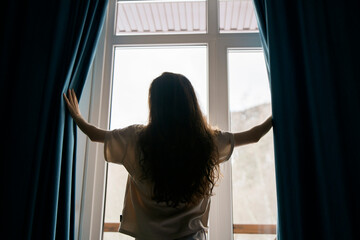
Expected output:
(254, 134)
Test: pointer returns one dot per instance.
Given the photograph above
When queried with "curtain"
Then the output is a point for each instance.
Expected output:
(46, 48)
(312, 56)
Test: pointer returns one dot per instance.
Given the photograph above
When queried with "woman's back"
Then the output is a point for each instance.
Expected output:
(177, 141)
(144, 217)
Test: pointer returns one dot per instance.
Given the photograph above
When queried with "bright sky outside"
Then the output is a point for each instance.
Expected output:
(134, 70)
(136, 67)
(248, 79)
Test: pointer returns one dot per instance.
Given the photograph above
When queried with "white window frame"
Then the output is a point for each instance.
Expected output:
(92, 213)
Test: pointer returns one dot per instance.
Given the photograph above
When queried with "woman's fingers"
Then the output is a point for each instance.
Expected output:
(68, 103)
(70, 97)
(71, 100)
(74, 97)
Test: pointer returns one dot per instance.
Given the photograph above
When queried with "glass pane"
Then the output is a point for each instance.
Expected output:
(134, 69)
(253, 170)
(237, 16)
(160, 16)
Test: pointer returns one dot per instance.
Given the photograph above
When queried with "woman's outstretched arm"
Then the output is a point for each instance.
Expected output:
(254, 134)
(95, 134)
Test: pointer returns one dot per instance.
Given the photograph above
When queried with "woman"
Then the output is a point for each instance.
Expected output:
(173, 161)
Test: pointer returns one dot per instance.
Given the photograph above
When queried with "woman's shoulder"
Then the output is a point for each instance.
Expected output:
(134, 128)
(137, 127)
(129, 132)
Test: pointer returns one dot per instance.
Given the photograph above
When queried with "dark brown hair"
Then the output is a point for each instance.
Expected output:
(179, 153)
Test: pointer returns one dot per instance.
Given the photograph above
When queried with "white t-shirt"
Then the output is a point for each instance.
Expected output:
(142, 217)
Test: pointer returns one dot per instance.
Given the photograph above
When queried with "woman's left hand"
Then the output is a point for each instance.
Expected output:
(72, 104)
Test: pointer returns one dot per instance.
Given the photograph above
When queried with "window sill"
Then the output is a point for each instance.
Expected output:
(238, 228)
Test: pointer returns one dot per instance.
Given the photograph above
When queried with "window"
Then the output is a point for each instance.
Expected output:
(165, 26)
(237, 16)
(253, 169)
(160, 17)
(134, 69)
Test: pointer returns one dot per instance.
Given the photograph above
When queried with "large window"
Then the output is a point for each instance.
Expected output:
(253, 170)
(216, 44)
(134, 69)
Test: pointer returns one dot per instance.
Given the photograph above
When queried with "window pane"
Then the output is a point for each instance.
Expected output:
(161, 16)
(253, 171)
(134, 69)
(237, 16)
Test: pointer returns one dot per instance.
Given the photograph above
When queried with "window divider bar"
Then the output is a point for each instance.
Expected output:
(232, 40)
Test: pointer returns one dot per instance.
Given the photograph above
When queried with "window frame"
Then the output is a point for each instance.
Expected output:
(93, 205)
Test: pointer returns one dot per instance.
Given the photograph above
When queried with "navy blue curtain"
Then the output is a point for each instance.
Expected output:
(46, 48)
(312, 54)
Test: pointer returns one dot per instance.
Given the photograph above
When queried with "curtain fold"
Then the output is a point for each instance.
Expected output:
(312, 58)
(46, 48)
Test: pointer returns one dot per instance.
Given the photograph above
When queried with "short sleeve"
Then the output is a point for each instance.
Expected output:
(225, 145)
(120, 146)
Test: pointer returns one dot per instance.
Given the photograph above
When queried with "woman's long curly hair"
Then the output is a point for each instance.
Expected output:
(180, 157)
